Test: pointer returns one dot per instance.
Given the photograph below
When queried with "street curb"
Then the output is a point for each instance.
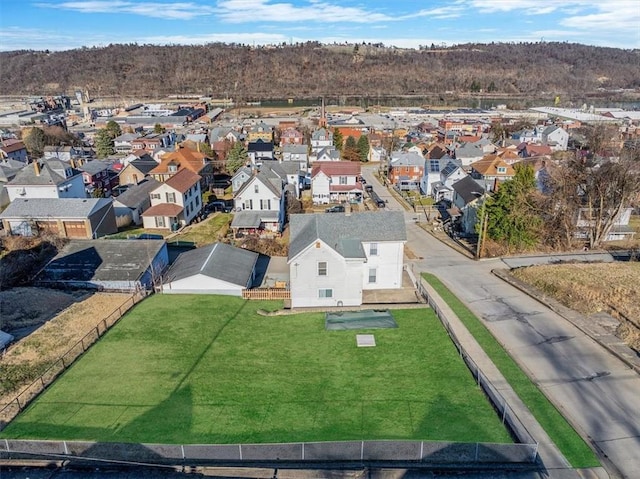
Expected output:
(623, 353)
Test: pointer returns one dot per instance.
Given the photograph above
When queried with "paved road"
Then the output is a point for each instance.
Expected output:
(596, 392)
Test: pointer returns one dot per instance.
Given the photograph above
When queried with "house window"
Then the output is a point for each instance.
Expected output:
(135, 179)
(322, 268)
(155, 196)
(373, 274)
(265, 204)
(247, 205)
(342, 180)
(160, 222)
(502, 169)
(171, 197)
(256, 189)
(197, 201)
(434, 166)
(325, 293)
(373, 249)
(173, 168)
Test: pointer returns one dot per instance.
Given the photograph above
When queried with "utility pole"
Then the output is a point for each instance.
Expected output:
(484, 222)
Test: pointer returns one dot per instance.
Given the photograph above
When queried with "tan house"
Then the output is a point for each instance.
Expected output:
(184, 158)
(491, 170)
(176, 203)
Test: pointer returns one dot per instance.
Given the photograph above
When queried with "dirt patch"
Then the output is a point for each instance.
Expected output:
(613, 288)
(26, 359)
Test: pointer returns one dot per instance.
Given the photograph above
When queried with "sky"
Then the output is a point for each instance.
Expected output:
(62, 24)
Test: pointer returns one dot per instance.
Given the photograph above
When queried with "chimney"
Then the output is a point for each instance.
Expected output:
(36, 167)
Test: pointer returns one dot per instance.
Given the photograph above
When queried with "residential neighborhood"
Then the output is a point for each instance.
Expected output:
(323, 210)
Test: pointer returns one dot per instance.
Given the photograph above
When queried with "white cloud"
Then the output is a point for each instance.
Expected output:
(17, 38)
(611, 16)
(243, 11)
(439, 13)
(168, 11)
(259, 38)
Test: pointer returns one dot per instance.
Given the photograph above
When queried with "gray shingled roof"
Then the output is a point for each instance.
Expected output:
(299, 149)
(340, 231)
(220, 261)
(136, 194)
(94, 166)
(468, 189)
(406, 158)
(28, 176)
(143, 165)
(54, 207)
(102, 260)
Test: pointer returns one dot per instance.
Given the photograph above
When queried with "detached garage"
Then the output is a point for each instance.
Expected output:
(107, 265)
(66, 217)
(215, 269)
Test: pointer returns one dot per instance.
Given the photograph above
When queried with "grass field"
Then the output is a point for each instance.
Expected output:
(208, 369)
(559, 430)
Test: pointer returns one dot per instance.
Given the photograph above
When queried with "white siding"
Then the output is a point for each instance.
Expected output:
(343, 277)
(250, 200)
(388, 265)
(72, 188)
(320, 189)
(202, 284)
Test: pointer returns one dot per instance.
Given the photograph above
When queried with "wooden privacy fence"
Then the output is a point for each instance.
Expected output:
(266, 293)
(30, 392)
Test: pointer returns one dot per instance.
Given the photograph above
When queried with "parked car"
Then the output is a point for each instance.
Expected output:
(380, 203)
(218, 206)
(368, 188)
(335, 209)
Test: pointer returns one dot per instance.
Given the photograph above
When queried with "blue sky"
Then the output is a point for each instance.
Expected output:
(66, 24)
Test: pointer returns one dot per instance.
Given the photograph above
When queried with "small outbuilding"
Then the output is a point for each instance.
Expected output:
(107, 265)
(214, 269)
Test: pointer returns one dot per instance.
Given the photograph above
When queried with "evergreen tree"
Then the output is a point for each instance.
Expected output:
(338, 140)
(512, 219)
(113, 128)
(237, 157)
(363, 148)
(103, 142)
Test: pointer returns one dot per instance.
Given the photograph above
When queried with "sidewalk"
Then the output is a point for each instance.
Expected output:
(552, 460)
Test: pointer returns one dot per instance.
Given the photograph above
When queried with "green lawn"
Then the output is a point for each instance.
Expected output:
(208, 369)
(560, 431)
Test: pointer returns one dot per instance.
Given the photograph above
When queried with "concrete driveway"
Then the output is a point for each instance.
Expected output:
(596, 392)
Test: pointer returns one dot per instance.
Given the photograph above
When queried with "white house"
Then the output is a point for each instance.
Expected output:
(47, 179)
(214, 269)
(557, 138)
(240, 178)
(296, 153)
(320, 139)
(333, 258)
(175, 203)
(431, 172)
(328, 153)
(335, 181)
(262, 192)
(376, 154)
(450, 174)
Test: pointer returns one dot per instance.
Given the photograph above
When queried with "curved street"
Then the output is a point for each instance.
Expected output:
(596, 392)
